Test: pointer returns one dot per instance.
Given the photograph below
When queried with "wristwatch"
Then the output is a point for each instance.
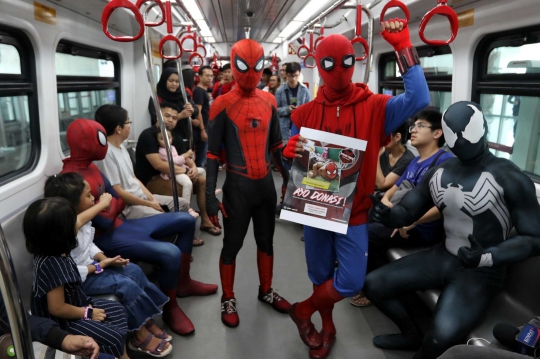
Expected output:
(88, 313)
(98, 267)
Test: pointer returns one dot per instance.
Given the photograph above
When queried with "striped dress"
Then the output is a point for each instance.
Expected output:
(51, 272)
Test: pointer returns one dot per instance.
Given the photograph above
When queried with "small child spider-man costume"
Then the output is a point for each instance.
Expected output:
(245, 120)
(350, 110)
(137, 239)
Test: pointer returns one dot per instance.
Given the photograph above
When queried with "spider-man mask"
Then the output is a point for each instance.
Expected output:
(247, 60)
(87, 140)
(335, 61)
(465, 130)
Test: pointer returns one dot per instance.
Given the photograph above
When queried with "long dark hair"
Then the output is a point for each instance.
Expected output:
(49, 227)
(66, 185)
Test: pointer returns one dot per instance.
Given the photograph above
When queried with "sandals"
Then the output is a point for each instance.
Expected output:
(211, 229)
(157, 352)
(197, 242)
(360, 300)
(163, 335)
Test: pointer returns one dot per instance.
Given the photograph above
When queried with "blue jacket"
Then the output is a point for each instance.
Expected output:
(281, 98)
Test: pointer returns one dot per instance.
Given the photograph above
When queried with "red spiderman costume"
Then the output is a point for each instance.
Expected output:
(137, 239)
(350, 110)
(245, 121)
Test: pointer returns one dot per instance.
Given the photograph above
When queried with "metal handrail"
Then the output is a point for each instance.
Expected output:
(20, 330)
(153, 93)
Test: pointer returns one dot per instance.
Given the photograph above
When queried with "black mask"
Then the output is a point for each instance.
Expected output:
(465, 130)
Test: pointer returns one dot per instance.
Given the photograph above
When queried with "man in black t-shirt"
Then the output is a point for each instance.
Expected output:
(149, 165)
(202, 101)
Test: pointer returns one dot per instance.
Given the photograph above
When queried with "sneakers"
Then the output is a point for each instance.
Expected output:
(229, 315)
(273, 298)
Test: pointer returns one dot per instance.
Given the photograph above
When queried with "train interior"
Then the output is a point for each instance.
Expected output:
(57, 65)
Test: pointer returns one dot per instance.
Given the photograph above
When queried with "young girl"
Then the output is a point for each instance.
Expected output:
(49, 228)
(184, 161)
(101, 275)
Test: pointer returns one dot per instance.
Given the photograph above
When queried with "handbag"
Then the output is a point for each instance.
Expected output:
(407, 185)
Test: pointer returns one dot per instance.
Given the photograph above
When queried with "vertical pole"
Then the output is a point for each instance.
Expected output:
(163, 128)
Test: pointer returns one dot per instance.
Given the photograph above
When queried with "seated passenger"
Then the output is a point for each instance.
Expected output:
(137, 239)
(101, 275)
(149, 165)
(480, 198)
(47, 332)
(393, 159)
(183, 160)
(57, 294)
(118, 168)
(427, 137)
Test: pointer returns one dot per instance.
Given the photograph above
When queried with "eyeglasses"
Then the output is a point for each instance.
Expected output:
(128, 123)
(419, 126)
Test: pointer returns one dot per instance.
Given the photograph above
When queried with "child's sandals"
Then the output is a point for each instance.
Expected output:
(157, 352)
(162, 335)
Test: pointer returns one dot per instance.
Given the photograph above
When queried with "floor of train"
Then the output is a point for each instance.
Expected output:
(264, 333)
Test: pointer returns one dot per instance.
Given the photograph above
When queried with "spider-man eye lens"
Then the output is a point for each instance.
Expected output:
(327, 63)
(348, 61)
(260, 64)
(240, 64)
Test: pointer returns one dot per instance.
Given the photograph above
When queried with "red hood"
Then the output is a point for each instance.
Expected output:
(87, 141)
(358, 92)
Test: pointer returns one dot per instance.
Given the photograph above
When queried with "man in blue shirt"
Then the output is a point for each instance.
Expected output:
(427, 137)
(289, 96)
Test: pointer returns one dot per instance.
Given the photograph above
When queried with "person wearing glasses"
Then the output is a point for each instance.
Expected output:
(427, 137)
(289, 96)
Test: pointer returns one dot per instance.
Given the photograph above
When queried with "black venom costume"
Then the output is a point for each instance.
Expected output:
(480, 197)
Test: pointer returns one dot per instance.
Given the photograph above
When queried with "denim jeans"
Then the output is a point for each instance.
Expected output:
(141, 299)
(138, 240)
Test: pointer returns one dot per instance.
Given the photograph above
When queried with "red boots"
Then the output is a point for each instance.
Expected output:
(175, 317)
(265, 264)
(187, 286)
(229, 315)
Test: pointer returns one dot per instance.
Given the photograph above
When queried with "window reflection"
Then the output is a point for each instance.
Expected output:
(10, 60)
(514, 129)
(81, 104)
(15, 134)
(514, 60)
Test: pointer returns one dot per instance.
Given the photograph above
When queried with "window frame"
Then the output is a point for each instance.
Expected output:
(505, 84)
(24, 84)
(66, 84)
(88, 83)
(435, 83)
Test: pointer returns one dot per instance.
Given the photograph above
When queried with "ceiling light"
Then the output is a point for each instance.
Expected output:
(291, 28)
(193, 9)
(209, 39)
(278, 40)
(309, 10)
(205, 30)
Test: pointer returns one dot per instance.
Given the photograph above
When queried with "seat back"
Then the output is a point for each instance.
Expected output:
(22, 260)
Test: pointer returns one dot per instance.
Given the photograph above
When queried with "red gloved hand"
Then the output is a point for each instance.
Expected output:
(215, 219)
(290, 149)
(399, 40)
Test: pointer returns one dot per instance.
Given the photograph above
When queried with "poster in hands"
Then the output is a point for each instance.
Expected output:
(322, 183)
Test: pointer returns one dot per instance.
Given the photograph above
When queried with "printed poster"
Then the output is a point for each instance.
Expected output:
(322, 183)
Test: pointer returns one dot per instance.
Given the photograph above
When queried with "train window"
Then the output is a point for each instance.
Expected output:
(437, 63)
(507, 86)
(87, 78)
(19, 118)
(10, 60)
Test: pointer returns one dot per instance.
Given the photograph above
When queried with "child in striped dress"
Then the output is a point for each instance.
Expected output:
(49, 228)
